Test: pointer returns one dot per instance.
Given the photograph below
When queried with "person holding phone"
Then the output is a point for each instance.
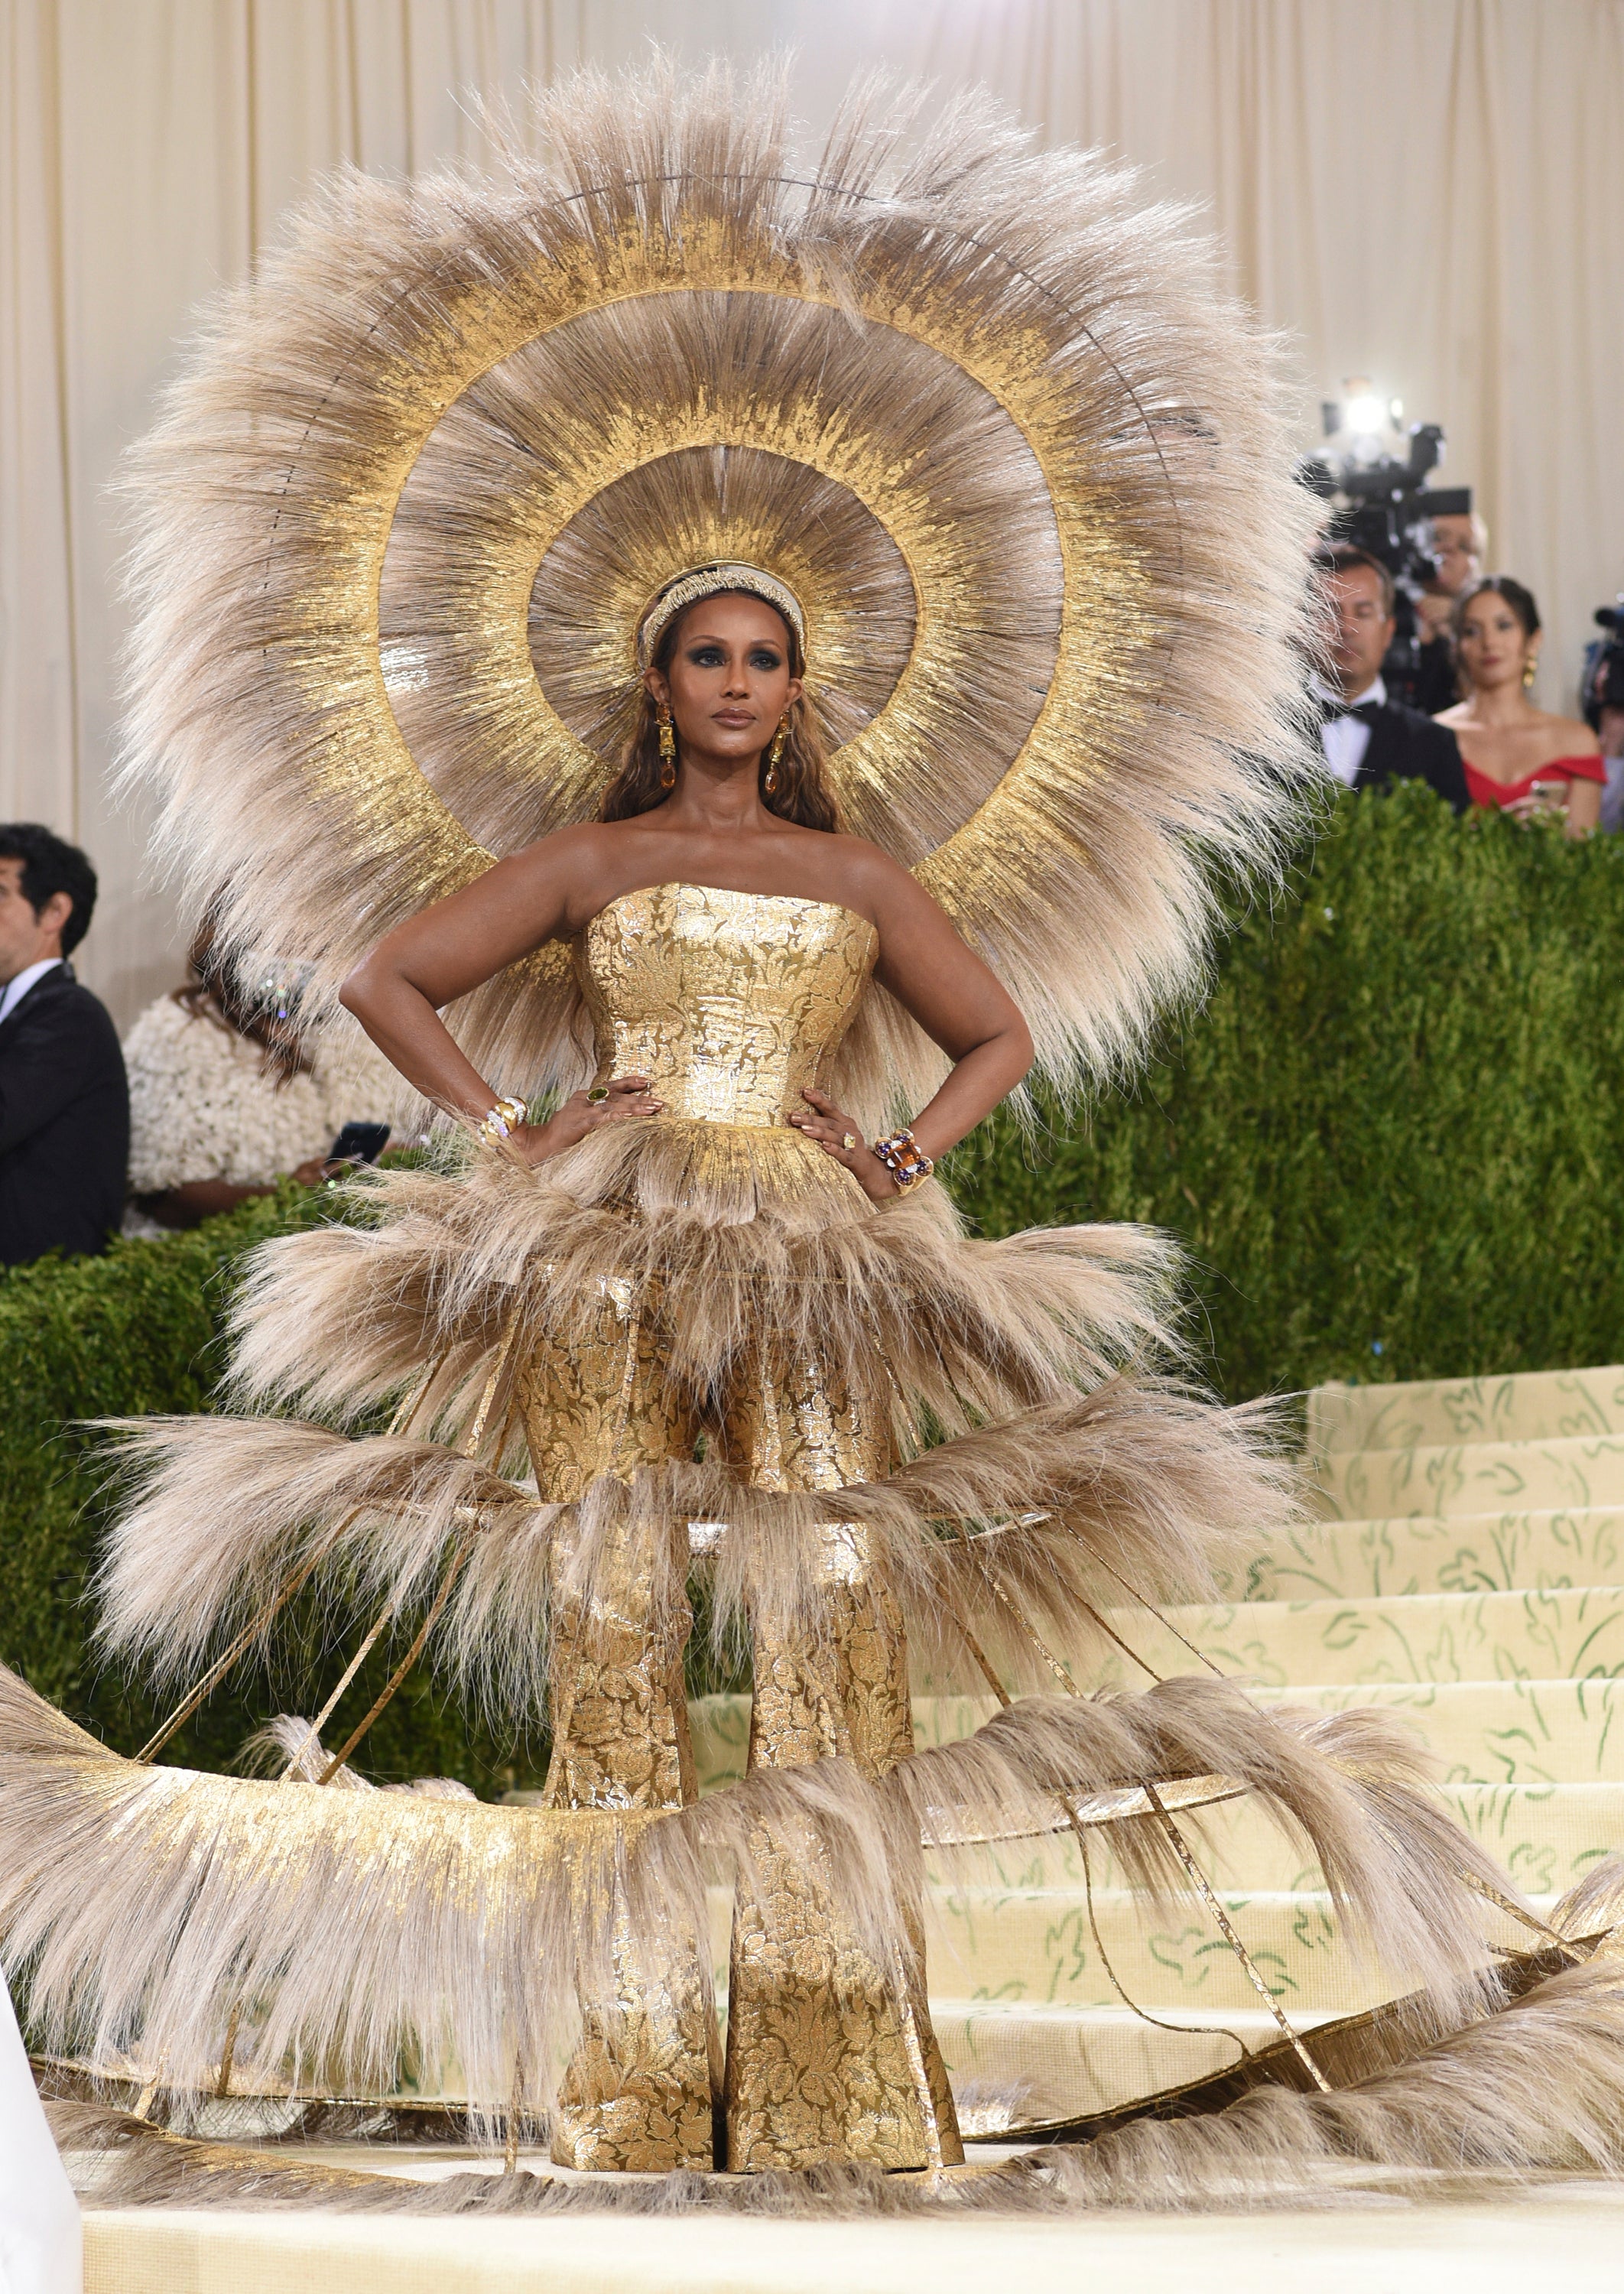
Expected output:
(1522, 759)
(228, 1094)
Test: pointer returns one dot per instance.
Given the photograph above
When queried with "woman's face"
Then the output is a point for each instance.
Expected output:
(728, 681)
(1494, 645)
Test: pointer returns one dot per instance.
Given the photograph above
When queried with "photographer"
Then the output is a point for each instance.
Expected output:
(1370, 740)
(1457, 542)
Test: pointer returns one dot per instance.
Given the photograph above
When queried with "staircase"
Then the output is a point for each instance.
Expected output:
(1470, 1573)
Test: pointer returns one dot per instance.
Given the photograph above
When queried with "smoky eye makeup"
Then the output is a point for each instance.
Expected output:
(705, 654)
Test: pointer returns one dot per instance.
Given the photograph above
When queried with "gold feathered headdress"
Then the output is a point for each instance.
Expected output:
(978, 410)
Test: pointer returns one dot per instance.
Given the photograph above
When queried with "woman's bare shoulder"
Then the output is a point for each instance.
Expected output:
(583, 840)
(1460, 714)
(865, 875)
(1572, 733)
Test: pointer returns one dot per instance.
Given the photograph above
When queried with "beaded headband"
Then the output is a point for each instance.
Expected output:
(685, 589)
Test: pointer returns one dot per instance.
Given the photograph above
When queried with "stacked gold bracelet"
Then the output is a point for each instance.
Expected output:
(503, 1120)
(905, 1158)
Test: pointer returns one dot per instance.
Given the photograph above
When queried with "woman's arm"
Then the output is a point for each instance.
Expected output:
(1584, 807)
(456, 945)
(961, 1004)
(197, 1200)
(460, 943)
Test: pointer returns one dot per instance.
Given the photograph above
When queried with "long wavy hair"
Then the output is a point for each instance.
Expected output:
(214, 994)
(803, 794)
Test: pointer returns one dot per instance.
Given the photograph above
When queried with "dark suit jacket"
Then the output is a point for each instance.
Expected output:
(64, 1123)
(1404, 745)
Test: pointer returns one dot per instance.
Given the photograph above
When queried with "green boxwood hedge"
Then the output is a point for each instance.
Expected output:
(140, 1332)
(1392, 1138)
(1388, 1142)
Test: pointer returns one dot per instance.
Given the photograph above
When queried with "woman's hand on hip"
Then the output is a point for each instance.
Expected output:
(839, 1136)
(621, 1098)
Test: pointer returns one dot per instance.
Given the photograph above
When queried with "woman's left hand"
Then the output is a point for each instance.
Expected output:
(837, 1136)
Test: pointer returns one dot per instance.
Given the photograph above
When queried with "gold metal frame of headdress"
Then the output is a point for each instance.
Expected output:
(715, 580)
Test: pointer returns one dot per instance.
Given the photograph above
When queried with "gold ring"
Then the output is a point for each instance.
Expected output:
(599, 1090)
(849, 1141)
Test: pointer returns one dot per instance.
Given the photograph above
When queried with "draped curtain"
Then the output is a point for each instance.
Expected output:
(1415, 190)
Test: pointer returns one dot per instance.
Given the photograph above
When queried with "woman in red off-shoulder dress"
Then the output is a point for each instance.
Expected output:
(1522, 759)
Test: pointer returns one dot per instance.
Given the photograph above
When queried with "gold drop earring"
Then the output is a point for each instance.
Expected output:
(1528, 674)
(770, 779)
(668, 747)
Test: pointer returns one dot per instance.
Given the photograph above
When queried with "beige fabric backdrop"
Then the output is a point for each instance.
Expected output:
(1421, 189)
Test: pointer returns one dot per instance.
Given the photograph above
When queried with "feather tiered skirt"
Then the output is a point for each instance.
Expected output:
(682, 1357)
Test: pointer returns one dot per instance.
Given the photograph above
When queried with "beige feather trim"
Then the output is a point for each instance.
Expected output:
(354, 1937)
(1533, 2091)
(1354, 1788)
(350, 1941)
(728, 1240)
(1045, 1518)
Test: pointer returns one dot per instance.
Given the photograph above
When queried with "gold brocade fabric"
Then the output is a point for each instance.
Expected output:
(825, 2054)
(619, 1712)
(637, 2094)
(730, 1002)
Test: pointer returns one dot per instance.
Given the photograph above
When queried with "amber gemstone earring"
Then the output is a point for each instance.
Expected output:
(668, 748)
(770, 779)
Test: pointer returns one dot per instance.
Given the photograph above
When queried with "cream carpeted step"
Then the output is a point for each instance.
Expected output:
(1048, 2061)
(1560, 1634)
(1547, 1835)
(1521, 1732)
(1534, 1406)
(1530, 1732)
(1421, 1553)
(1037, 1944)
(1472, 1478)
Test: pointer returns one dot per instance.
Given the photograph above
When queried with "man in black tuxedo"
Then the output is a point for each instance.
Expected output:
(64, 1104)
(1370, 741)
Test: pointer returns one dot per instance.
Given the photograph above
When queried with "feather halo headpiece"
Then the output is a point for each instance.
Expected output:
(980, 410)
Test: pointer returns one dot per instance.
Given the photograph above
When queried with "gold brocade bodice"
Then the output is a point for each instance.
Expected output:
(730, 1002)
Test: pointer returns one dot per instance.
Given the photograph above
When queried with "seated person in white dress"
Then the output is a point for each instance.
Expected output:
(228, 1094)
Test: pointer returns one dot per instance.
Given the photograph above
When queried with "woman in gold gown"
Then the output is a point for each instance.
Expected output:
(641, 521)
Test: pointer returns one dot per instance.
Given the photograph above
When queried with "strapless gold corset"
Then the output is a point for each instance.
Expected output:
(731, 1002)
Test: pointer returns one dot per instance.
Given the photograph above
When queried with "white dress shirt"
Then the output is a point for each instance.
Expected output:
(1344, 739)
(14, 990)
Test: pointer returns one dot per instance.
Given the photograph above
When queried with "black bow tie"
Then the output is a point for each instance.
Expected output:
(1366, 713)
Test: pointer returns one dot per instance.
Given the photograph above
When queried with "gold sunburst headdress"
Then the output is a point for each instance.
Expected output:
(976, 408)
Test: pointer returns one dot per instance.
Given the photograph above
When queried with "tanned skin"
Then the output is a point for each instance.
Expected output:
(728, 686)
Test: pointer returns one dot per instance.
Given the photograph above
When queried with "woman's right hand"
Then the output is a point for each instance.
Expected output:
(624, 1098)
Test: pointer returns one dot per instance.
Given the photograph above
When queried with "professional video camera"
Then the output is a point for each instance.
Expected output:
(1604, 679)
(1383, 507)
